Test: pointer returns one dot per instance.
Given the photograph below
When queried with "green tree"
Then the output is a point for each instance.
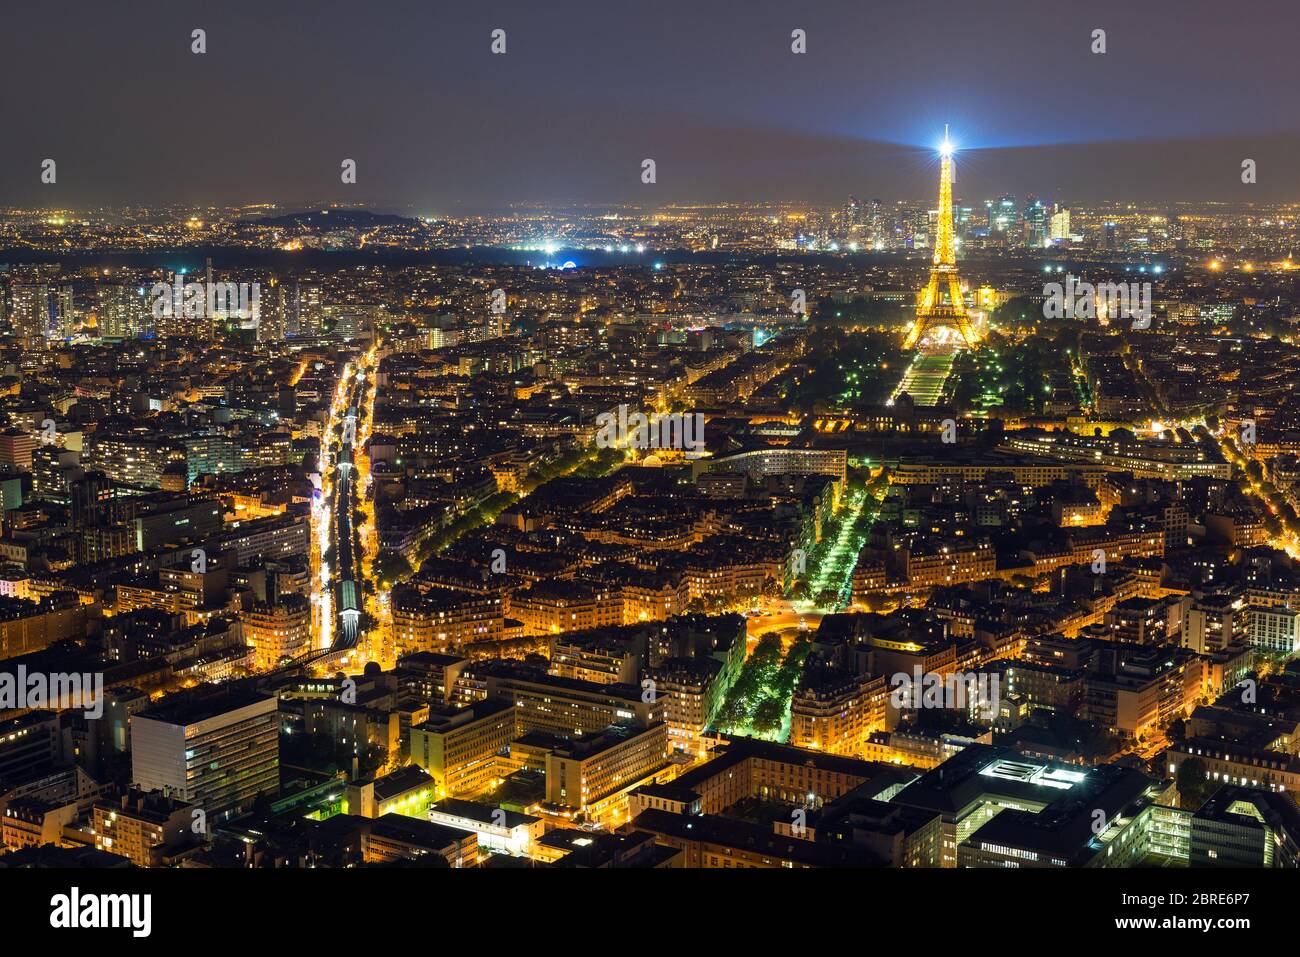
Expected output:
(1177, 730)
(391, 567)
(769, 715)
(1194, 784)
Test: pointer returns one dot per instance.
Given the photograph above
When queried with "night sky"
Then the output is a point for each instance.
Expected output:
(708, 88)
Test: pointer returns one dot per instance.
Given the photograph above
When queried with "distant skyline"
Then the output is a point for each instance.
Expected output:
(586, 90)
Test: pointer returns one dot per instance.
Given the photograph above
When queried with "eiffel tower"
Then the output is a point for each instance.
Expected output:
(941, 304)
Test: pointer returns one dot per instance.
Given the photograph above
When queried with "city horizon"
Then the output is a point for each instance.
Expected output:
(1131, 178)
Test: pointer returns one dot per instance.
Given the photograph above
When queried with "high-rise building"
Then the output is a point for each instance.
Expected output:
(1035, 223)
(273, 309)
(218, 752)
(853, 216)
(1003, 217)
(963, 220)
(1061, 224)
(307, 311)
(1109, 240)
(121, 312)
(40, 312)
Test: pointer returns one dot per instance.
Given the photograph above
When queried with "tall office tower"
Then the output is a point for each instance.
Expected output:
(897, 231)
(876, 224)
(852, 216)
(218, 752)
(1035, 223)
(963, 220)
(121, 311)
(1004, 217)
(918, 227)
(308, 309)
(1109, 240)
(1061, 224)
(941, 304)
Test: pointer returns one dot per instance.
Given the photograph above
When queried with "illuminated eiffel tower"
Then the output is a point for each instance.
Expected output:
(941, 304)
